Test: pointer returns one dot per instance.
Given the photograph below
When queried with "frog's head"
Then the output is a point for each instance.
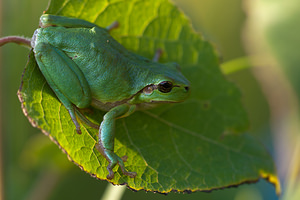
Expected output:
(167, 85)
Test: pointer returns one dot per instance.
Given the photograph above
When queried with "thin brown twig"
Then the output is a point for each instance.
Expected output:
(15, 39)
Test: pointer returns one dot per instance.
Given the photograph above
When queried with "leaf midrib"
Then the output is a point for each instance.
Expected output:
(198, 135)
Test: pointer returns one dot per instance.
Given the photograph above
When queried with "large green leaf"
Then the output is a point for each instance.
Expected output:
(190, 146)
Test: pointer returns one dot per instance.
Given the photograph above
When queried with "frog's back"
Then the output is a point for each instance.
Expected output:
(113, 73)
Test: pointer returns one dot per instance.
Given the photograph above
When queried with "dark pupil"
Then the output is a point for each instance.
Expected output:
(165, 86)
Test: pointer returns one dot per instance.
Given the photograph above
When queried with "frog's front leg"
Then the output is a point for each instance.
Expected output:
(106, 138)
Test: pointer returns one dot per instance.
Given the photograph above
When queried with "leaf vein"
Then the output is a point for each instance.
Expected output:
(192, 133)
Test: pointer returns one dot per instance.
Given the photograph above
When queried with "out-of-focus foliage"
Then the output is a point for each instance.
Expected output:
(273, 37)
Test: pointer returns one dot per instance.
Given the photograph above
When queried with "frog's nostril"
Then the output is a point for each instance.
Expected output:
(187, 88)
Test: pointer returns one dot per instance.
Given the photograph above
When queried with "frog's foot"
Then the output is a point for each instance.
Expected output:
(112, 26)
(83, 118)
(121, 164)
(157, 55)
(113, 160)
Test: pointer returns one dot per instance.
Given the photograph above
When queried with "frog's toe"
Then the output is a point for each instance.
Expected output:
(111, 173)
(125, 172)
(111, 165)
(124, 158)
(113, 25)
(130, 174)
(78, 130)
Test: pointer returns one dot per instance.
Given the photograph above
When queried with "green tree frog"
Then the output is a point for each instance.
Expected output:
(85, 67)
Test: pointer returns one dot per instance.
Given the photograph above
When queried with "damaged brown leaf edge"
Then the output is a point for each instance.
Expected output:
(269, 177)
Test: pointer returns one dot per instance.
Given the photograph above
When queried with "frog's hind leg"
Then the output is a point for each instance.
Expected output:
(64, 77)
(68, 22)
(47, 20)
(86, 120)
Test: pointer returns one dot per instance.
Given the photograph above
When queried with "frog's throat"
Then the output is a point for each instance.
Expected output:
(108, 105)
(139, 106)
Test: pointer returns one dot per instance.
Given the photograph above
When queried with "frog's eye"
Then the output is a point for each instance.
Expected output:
(165, 86)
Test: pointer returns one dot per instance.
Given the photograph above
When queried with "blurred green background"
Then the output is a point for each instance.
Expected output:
(34, 167)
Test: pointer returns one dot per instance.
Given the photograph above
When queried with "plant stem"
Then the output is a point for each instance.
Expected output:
(113, 192)
(236, 65)
(16, 39)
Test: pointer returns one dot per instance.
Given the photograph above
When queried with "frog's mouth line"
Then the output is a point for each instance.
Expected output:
(162, 102)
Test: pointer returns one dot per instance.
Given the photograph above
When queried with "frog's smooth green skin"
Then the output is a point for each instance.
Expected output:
(85, 67)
